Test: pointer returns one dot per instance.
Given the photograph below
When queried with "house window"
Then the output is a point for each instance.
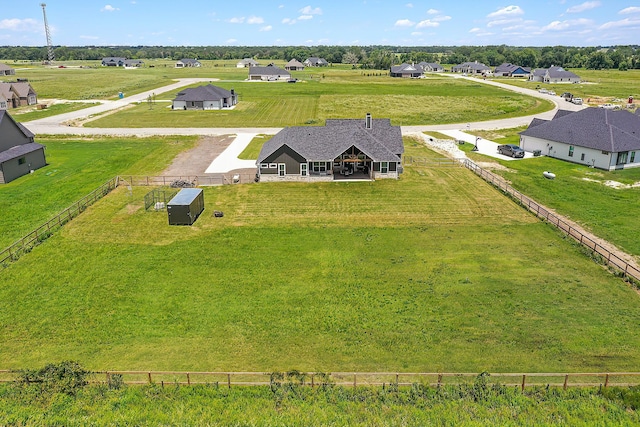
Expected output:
(384, 167)
(319, 167)
(264, 165)
(622, 158)
(22, 161)
(273, 165)
(582, 157)
(632, 159)
(304, 168)
(571, 151)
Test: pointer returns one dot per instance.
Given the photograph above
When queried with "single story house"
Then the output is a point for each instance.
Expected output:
(553, 75)
(133, 63)
(17, 94)
(597, 137)
(207, 97)
(406, 70)
(19, 153)
(5, 70)
(472, 68)
(186, 62)
(431, 67)
(343, 149)
(113, 61)
(315, 62)
(294, 65)
(511, 70)
(247, 62)
(268, 73)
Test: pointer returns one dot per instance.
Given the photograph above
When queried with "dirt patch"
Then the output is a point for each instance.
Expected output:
(195, 162)
(495, 166)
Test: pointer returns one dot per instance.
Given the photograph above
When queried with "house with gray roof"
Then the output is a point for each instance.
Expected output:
(207, 97)
(113, 61)
(314, 61)
(405, 70)
(19, 153)
(247, 62)
(133, 63)
(187, 62)
(268, 73)
(294, 65)
(431, 67)
(553, 74)
(5, 70)
(17, 94)
(597, 137)
(511, 70)
(365, 149)
(472, 68)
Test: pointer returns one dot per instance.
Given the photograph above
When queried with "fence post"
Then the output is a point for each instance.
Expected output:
(606, 381)
(354, 380)
(566, 381)
(439, 380)
(188, 379)
(229, 380)
(149, 374)
(524, 380)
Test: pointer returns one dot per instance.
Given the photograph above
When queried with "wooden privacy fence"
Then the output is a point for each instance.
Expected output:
(609, 257)
(26, 243)
(356, 379)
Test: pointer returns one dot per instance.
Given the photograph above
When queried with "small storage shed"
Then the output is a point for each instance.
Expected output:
(186, 206)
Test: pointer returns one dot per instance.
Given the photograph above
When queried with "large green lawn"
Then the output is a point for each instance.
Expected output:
(434, 272)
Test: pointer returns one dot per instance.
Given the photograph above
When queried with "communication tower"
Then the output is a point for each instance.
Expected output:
(50, 55)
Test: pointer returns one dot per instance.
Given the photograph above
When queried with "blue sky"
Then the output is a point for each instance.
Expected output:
(347, 22)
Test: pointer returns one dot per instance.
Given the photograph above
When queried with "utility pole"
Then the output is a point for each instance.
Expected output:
(50, 55)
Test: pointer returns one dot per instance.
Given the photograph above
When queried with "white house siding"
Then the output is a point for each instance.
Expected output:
(179, 105)
(560, 150)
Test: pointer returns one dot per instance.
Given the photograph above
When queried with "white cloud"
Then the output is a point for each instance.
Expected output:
(281, 6)
(567, 25)
(404, 23)
(416, 33)
(255, 20)
(506, 11)
(409, 5)
(442, 18)
(108, 8)
(304, 17)
(89, 37)
(584, 6)
(231, 41)
(237, 20)
(288, 21)
(620, 24)
(427, 23)
(30, 25)
(474, 30)
(503, 22)
(628, 10)
(267, 28)
(308, 10)
(433, 12)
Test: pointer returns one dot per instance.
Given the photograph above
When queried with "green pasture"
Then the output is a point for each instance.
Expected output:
(578, 192)
(76, 167)
(291, 405)
(597, 86)
(25, 114)
(437, 271)
(342, 94)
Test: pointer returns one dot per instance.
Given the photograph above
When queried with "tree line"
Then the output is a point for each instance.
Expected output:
(367, 57)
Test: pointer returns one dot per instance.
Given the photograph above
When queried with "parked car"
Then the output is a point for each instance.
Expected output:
(577, 101)
(568, 96)
(551, 92)
(610, 107)
(511, 150)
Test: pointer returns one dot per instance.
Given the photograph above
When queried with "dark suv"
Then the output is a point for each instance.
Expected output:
(511, 150)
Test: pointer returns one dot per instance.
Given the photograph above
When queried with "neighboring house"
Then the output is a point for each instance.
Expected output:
(406, 70)
(5, 70)
(113, 61)
(18, 94)
(294, 65)
(315, 62)
(133, 63)
(553, 75)
(6, 96)
(431, 67)
(472, 68)
(597, 137)
(246, 63)
(186, 62)
(207, 97)
(343, 149)
(511, 70)
(268, 73)
(19, 153)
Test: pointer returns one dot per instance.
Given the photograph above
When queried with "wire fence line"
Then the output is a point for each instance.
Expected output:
(611, 258)
(356, 379)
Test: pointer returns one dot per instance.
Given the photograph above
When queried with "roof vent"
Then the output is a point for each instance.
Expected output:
(368, 121)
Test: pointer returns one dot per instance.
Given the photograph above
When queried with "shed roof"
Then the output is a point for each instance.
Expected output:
(19, 151)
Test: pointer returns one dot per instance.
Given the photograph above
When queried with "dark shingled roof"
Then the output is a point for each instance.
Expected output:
(26, 132)
(203, 93)
(19, 151)
(269, 70)
(595, 128)
(405, 68)
(562, 113)
(536, 122)
(381, 143)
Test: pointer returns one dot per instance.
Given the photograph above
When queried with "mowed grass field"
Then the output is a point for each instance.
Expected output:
(434, 272)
